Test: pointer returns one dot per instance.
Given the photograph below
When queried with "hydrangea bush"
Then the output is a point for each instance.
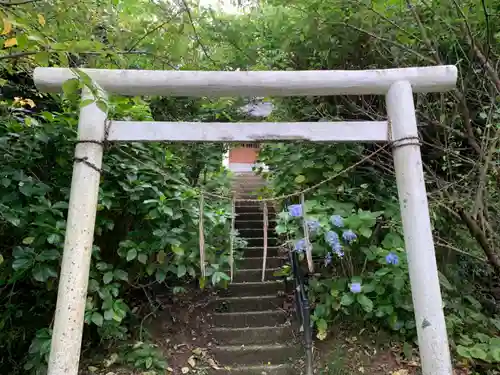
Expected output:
(361, 267)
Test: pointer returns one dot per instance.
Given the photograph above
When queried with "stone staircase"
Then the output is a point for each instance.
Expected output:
(250, 327)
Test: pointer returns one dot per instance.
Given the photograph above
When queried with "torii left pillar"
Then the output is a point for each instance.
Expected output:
(73, 283)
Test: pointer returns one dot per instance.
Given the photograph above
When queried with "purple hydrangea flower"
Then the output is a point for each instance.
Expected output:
(392, 258)
(356, 287)
(337, 249)
(295, 210)
(328, 259)
(331, 237)
(349, 236)
(300, 246)
(337, 221)
(313, 225)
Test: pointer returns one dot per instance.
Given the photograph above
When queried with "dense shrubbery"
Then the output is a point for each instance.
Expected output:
(146, 226)
(146, 229)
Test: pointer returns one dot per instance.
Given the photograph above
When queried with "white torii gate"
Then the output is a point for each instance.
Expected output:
(398, 85)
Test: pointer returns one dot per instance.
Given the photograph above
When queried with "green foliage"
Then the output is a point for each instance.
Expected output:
(144, 356)
(146, 226)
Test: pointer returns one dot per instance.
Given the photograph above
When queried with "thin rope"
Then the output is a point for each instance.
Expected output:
(308, 249)
(202, 239)
(104, 143)
(298, 193)
(266, 223)
(231, 241)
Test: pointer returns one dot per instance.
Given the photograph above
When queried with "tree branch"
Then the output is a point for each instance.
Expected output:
(480, 237)
(9, 4)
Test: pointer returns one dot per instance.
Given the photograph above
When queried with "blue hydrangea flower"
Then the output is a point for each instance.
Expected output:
(313, 225)
(295, 210)
(300, 246)
(337, 249)
(337, 221)
(356, 287)
(328, 259)
(331, 237)
(349, 236)
(392, 258)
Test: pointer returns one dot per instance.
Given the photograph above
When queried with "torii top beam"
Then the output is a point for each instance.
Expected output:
(254, 83)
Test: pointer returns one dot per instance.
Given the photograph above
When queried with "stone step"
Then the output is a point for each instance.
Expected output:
(258, 251)
(284, 369)
(266, 288)
(259, 241)
(249, 263)
(248, 216)
(249, 319)
(254, 224)
(249, 303)
(246, 336)
(270, 354)
(255, 232)
(242, 275)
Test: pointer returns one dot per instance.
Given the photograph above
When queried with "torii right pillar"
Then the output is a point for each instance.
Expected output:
(426, 294)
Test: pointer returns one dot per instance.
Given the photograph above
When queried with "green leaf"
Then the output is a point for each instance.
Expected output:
(347, 299)
(365, 302)
(102, 105)
(97, 319)
(51, 254)
(495, 354)
(143, 258)
(160, 275)
(108, 314)
(28, 240)
(131, 254)
(121, 275)
(53, 238)
(322, 325)
(42, 272)
(300, 179)
(21, 264)
(463, 351)
(407, 351)
(365, 232)
(477, 352)
(71, 86)
(181, 270)
(108, 277)
(148, 363)
(178, 250)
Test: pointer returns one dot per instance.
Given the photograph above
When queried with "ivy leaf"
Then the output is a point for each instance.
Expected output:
(108, 277)
(97, 319)
(365, 302)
